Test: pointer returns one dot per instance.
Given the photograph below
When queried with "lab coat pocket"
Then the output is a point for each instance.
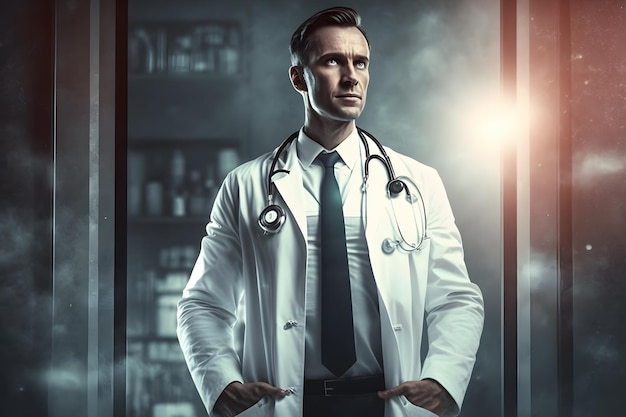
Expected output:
(260, 409)
(412, 410)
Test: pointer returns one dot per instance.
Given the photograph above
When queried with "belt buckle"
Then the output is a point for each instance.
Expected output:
(327, 388)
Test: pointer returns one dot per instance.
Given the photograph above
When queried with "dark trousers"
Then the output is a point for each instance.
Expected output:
(368, 405)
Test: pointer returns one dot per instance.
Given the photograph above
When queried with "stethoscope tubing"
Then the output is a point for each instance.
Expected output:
(272, 217)
(368, 157)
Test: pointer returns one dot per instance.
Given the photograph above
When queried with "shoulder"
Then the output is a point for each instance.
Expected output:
(246, 180)
(426, 178)
(251, 170)
(404, 163)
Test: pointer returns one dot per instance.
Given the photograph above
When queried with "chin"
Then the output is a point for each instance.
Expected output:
(342, 114)
(351, 116)
(348, 114)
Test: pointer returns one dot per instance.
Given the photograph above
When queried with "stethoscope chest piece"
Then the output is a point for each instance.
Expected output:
(395, 187)
(389, 245)
(272, 218)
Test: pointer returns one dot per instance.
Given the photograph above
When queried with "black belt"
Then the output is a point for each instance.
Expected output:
(343, 387)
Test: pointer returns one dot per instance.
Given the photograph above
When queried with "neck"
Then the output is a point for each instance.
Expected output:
(329, 134)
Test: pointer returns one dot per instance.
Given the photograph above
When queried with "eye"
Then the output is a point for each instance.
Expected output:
(361, 64)
(332, 61)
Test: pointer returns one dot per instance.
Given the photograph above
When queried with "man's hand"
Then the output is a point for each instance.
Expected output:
(427, 393)
(238, 397)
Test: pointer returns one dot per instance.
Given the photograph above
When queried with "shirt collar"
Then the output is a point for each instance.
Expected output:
(308, 149)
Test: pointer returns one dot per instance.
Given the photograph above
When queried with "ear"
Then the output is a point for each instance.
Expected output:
(296, 76)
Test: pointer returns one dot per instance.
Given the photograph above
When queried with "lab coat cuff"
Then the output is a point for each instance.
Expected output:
(226, 377)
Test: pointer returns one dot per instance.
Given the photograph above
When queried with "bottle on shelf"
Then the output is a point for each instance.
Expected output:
(180, 55)
(141, 55)
(135, 182)
(205, 47)
(166, 305)
(204, 53)
(198, 199)
(210, 184)
(154, 197)
(178, 189)
(229, 53)
(179, 201)
(161, 50)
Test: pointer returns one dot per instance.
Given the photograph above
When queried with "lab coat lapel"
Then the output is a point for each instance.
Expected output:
(290, 187)
(376, 226)
(376, 205)
(384, 267)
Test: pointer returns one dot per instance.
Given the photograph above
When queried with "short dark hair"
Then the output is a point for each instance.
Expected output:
(301, 42)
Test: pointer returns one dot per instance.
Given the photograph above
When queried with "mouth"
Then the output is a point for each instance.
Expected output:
(350, 96)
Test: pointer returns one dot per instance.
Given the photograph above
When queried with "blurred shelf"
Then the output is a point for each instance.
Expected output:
(167, 220)
(149, 339)
(187, 95)
(183, 77)
(206, 143)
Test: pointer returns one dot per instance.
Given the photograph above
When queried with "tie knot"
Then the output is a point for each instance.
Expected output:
(328, 159)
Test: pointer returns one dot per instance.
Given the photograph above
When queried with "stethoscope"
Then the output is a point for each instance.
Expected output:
(273, 217)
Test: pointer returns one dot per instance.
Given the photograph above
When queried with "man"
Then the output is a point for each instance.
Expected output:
(255, 317)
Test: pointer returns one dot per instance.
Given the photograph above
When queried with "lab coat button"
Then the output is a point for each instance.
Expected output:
(290, 324)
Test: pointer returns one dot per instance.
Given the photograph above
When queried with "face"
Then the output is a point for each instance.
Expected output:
(336, 75)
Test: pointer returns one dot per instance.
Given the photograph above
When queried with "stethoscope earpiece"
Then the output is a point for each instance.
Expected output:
(271, 218)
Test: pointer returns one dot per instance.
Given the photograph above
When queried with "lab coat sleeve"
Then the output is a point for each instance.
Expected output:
(207, 310)
(453, 306)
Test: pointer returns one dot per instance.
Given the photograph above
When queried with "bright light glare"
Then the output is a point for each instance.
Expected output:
(494, 123)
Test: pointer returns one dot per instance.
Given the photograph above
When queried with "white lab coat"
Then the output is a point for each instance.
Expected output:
(267, 272)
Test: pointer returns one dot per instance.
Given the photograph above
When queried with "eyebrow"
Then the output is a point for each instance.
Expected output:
(342, 55)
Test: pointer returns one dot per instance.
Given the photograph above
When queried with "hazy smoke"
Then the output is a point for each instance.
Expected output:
(597, 167)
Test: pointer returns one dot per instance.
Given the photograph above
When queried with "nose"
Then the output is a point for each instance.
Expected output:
(349, 75)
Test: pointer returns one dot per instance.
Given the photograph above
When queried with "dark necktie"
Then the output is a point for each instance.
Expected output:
(338, 352)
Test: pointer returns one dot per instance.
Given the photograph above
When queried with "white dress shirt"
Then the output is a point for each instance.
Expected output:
(349, 175)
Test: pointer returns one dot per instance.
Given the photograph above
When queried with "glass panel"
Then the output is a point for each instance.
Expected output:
(599, 157)
(201, 76)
